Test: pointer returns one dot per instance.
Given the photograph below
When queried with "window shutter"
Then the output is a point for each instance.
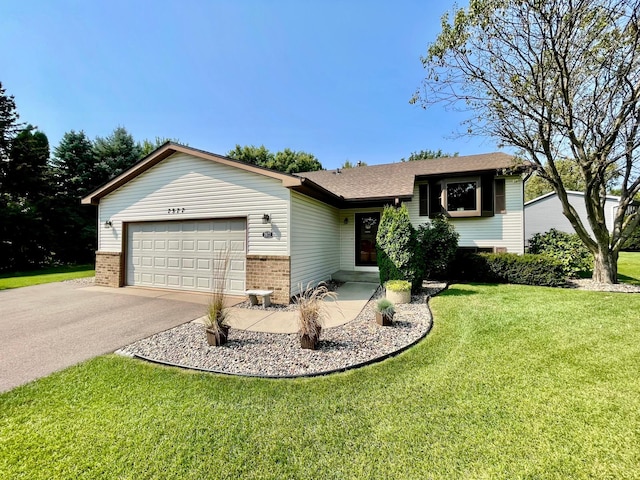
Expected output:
(435, 191)
(501, 198)
(423, 192)
(486, 195)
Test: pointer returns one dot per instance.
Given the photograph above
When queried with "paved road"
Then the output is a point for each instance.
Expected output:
(49, 327)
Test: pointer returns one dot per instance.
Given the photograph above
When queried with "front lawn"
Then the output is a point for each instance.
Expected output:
(36, 277)
(512, 382)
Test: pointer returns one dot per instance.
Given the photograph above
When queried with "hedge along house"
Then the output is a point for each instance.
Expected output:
(163, 222)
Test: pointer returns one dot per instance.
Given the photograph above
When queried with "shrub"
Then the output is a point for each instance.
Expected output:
(528, 269)
(398, 254)
(385, 307)
(398, 286)
(566, 248)
(633, 242)
(438, 243)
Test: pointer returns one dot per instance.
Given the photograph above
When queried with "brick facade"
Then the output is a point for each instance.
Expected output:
(109, 266)
(270, 272)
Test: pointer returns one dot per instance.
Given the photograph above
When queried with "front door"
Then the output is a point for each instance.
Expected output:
(366, 231)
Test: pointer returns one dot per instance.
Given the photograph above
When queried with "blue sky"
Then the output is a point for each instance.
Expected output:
(332, 78)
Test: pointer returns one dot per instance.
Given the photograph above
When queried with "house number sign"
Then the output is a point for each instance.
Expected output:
(175, 210)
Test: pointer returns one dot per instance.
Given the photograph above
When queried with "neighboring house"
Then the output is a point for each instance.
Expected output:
(545, 212)
(162, 221)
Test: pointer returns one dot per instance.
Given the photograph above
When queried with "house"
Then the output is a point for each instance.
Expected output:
(162, 221)
(545, 212)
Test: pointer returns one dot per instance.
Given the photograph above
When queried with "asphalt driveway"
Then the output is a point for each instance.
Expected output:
(49, 327)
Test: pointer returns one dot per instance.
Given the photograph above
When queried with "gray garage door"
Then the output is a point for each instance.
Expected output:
(186, 255)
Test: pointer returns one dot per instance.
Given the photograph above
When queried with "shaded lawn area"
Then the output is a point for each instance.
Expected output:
(36, 277)
(512, 382)
(629, 267)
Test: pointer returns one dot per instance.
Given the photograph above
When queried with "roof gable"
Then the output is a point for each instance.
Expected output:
(167, 150)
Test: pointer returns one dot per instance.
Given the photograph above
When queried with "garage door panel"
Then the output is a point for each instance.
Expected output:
(238, 246)
(187, 255)
(203, 245)
(173, 262)
(204, 264)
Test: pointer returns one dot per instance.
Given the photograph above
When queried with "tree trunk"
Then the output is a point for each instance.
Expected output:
(605, 267)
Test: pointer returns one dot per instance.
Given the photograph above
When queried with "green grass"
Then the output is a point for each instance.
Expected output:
(36, 277)
(512, 382)
(629, 267)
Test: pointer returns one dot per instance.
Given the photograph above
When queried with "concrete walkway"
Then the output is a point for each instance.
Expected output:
(352, 297)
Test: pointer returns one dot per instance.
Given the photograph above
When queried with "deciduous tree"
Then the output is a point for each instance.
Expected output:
(427, 155)
(287, 161)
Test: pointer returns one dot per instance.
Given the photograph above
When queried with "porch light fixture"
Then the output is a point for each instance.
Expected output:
(346, 220)
(108, 224)
(266, 218)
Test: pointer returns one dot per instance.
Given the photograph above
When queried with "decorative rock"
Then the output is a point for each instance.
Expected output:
(279, 355)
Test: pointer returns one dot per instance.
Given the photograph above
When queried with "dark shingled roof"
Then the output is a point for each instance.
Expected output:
(397, 179)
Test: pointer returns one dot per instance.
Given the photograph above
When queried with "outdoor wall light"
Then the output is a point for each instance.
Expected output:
(346, 220)
(108, 224)
(266, 218)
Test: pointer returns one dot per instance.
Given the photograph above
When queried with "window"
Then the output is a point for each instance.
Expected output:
(461, 197)
(482, 196)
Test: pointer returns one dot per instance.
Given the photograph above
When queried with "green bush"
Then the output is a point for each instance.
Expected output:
(633, 242)
(397, 286)
(438, 242)
(398, 254)
(565, 248)
(528, 269)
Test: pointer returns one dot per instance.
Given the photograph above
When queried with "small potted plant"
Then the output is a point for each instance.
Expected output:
(398, 291)
(216, 326)
(385, 311)
(311, 313)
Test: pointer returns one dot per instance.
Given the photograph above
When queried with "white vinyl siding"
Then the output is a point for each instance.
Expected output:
(315, 238)
(546, 213)
(501, 230)
(187, 255)
(205, 190)
(348, 239)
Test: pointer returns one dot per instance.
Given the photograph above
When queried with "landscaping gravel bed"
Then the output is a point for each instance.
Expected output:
(588, 284)
(279, 355)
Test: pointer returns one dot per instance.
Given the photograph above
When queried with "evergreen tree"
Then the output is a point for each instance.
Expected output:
(75, 175)
(25, 236)
(115, 154)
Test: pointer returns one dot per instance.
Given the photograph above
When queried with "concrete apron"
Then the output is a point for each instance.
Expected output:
(352, 297)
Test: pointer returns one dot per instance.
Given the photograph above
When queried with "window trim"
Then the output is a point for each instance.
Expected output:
(462, 213)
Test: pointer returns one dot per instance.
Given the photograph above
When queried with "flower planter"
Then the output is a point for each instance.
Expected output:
(219, 339)
(308, 342)
(398, 297)
(384, 320)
